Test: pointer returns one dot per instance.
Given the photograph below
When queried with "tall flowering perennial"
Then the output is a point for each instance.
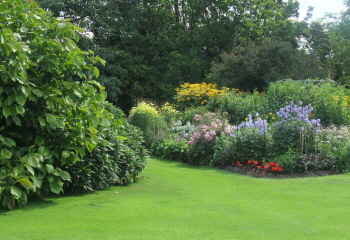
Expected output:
(260, 124)
(197, 94)
(295, 130)
(209, 127)
(293, 112)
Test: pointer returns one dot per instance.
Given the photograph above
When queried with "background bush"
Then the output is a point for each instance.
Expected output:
(326, 98)
(238, 105)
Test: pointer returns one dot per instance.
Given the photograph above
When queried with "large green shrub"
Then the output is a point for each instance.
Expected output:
(50, 108)
(239, 105)
(326, 98)
(117, 159)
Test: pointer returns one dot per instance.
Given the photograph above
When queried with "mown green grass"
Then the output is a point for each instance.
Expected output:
(176, 201)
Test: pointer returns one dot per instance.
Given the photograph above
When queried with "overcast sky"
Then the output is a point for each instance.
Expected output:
(320, 7)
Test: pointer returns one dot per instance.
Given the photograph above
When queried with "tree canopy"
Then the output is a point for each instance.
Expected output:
(152, 46)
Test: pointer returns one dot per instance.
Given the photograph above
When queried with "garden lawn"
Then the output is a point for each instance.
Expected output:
(172, 200)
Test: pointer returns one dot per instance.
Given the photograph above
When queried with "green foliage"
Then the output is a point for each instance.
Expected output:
(329, 100)
(168, 112)
(288, 161)
(188, 114)
(50, 106)
(45, 111)
(147, 118)
(310, 162)
(249, 144)
(117, 159)
(170, 147)
(339, 43)
(201, 153)
(326, 98)
(279, 94)
(222, 151)
(150, 47)
(289, 134)
(335, 141)
(254, 66)
(239, 105)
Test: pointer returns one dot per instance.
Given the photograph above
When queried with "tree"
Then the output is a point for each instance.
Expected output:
(152, 46)
(254, 65)
(339, 35)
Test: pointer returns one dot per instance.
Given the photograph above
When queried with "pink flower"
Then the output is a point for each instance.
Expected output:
(197, 117)
(212, 133)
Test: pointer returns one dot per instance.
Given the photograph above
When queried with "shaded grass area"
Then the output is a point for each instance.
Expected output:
(172, 200)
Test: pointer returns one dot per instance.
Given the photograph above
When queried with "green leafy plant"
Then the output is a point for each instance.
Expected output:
(51, 114)
(335, 141)
(148, 119)
(289, 160)
(309, 162)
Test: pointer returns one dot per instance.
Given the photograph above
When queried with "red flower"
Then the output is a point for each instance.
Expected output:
(238, 162)
(233, 163)
(256, 162)
(279, 169)
(274, 169)
(271, 164)
(263, 163)
(258, 167)
(249, 161)
(240, 165)
(266, 167)
(277, 165)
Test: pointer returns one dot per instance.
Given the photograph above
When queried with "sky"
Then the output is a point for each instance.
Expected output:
(320, 7)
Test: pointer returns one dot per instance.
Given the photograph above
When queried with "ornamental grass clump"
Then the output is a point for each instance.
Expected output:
(148, 119)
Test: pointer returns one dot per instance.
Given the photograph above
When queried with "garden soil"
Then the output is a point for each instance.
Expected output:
(260, 174)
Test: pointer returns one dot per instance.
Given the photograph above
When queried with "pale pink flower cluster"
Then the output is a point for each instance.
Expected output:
(208, 128)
